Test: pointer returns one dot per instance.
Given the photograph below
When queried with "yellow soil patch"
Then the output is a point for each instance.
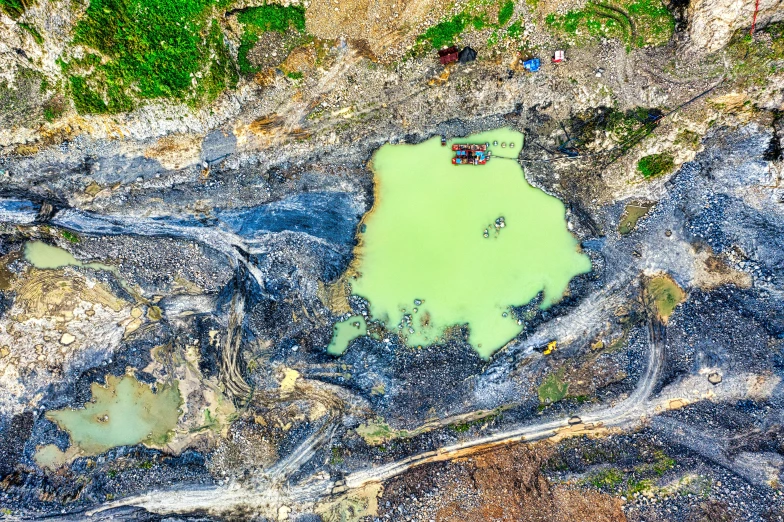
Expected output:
(335, 296)
(289, 381)
(732, 101)
(386, 27)
(51, 457)
(578, 430)
(711, 271)
(353, 506)
(676, 404)
(175, 151)
(56, 293)
(300, 59)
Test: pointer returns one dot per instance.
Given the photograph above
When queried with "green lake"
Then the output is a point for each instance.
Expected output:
(122, 412)
(449, 245)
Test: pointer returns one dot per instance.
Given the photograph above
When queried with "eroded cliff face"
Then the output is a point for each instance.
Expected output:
(712, 22)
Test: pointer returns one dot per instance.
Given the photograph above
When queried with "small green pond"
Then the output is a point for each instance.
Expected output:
(44, 256)
(434, 255)
(346, 331)
(123, 412)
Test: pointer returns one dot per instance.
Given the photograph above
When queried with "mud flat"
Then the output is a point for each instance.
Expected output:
(448, 245)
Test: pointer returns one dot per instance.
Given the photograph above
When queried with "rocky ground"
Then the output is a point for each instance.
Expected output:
(229, 229)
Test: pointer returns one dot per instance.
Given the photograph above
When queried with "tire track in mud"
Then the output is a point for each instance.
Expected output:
(230, 372)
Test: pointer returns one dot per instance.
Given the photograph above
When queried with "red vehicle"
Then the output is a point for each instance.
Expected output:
(472, 147)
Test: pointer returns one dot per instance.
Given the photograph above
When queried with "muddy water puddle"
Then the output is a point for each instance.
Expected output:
(452, 245)
(122, 412)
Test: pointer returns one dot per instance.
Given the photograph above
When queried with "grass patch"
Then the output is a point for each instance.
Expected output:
(444, 33)
(606, 478)
(20, 100)
(273, 18)
(379, 432)
(147, 49)
(616, 480)
(258, 20)
(637, 486)
(479, 22)
(85, 99)
(553, 388)
(463, 427)
(505, 13)
(71, 236)
(474, 16)
(625, 128)
(54, 108)
(337, 456)
(754, 60)
(624, 124)
(661, 465)
(515, 30)
(655, 165)
(294, 75)
(636, 23)
(15, 8)
(654, 23)
(688, 138)
(33, 32)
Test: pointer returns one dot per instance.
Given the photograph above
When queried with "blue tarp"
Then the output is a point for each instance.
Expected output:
(532, 65)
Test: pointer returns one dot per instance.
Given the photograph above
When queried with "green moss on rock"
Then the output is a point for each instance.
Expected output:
(655, 165)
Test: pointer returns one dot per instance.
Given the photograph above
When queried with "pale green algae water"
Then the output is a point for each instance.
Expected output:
(44, 256)
(423, 261)
(123, 412)
(346, 331)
